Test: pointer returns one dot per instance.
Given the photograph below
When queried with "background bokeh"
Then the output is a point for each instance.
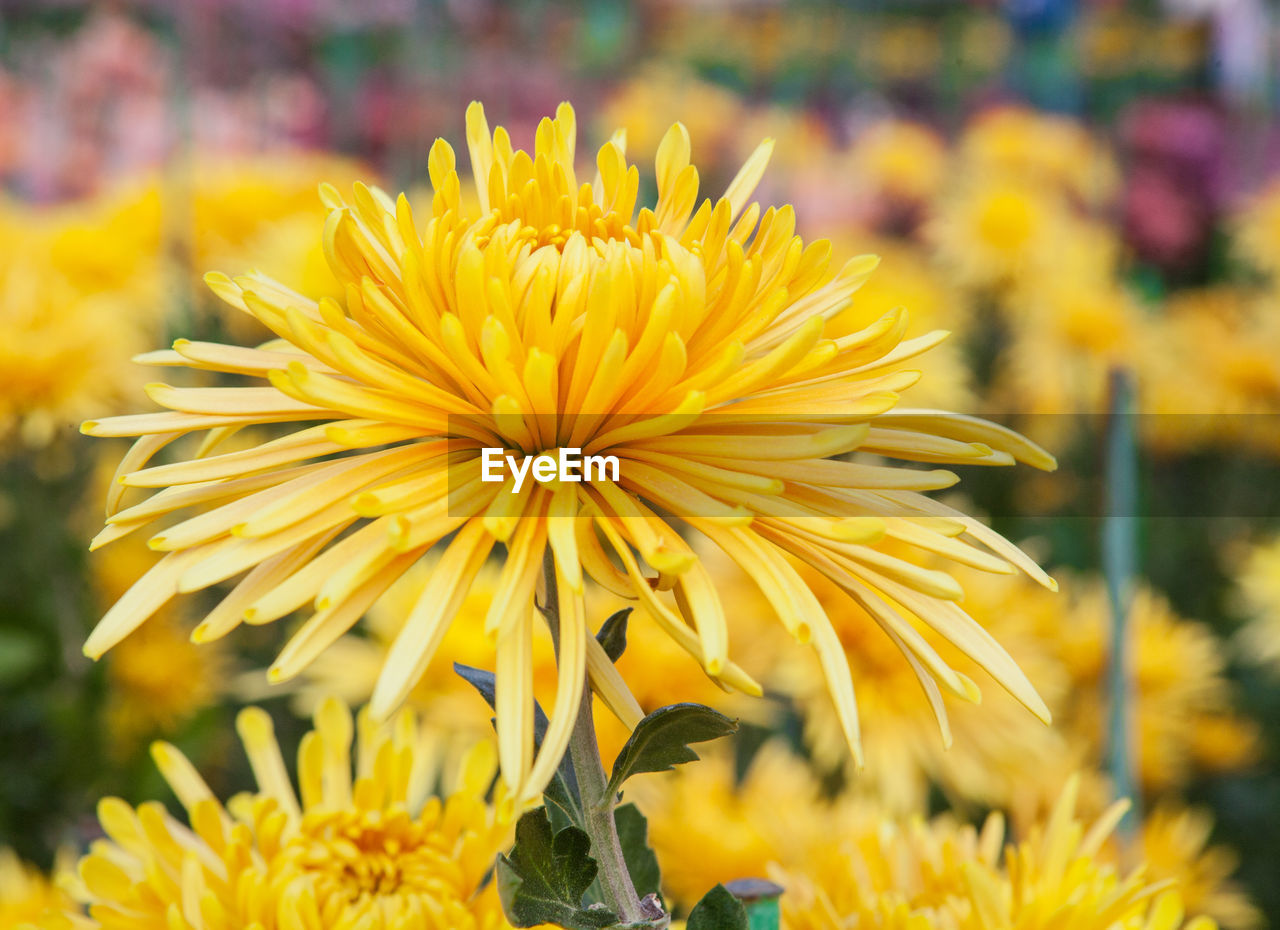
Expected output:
(1084, 194)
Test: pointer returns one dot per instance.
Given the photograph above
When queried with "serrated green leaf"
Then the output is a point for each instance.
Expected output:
(718, 910)
(661, 740)
(633, 834)
(562, 790)
(545, 876)
(613, 634)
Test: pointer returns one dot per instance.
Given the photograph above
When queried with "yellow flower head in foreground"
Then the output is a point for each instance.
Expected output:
(377, 853)
(687, 341)
(26, 894)
(940, 876)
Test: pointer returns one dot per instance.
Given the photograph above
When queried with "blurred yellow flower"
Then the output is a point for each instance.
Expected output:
(689, 345)
(1213, 361)
(1062, 346)
(900, 159)
(1174, 845)
(645, 106)
(1257, 232)
(994, 232)
(26, 894)
(379, 851)
(108, 243)
(1041, 149)
(1181, 695)
(1257, 579)
(65, 354)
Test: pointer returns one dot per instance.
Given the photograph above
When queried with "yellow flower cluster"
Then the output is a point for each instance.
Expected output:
(846, 862)
(86, 285)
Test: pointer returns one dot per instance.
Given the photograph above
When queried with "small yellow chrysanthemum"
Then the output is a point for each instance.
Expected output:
(64, 352)
(26, 894)
(941, 876)
(1039, 148)
(1257, 580)
(1061, 350)
(1217, 358)
(378, 853)
(686, 340)
(1174, 845)
(998, 232)
(1182, 697)
(1257, 237)
(899, 159)
(644, 107)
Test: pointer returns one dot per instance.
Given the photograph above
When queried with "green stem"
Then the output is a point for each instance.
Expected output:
(593, 788)
(1119, 557)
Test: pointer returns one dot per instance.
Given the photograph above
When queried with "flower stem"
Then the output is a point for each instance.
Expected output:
(593, 787)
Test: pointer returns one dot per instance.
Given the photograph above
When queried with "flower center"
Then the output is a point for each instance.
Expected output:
(364, 857)
(1006, 221)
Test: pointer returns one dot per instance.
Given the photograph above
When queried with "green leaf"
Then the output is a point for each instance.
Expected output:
(633, 834)
(546, 875)
(718, 910)
(613, 634)
(562, 790)
(661, 740)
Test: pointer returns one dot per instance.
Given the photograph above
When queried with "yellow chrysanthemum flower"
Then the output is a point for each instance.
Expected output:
(1216, 356)
(1039, 148)
(1257, 580)
(1174, 845)
(940, 876)
(686, 343)
(377, 852)
(1257, 238)
(707, 827)
(998, 231)
(26, 894)
(901, 159)
(1182, 711)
